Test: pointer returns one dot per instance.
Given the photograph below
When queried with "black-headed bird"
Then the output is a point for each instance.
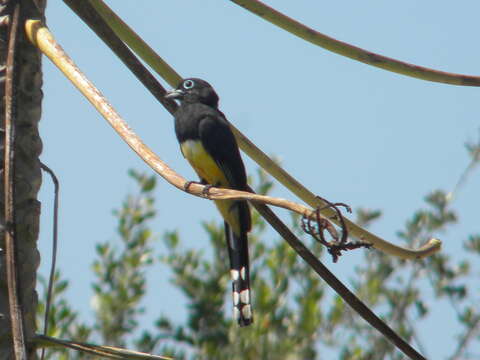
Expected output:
(207, 142)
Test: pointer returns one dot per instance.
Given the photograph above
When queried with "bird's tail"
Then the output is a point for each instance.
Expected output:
(240, 272)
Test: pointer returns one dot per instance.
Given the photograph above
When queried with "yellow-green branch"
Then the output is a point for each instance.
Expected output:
(339, 47)
(147, 54)
(136, 43)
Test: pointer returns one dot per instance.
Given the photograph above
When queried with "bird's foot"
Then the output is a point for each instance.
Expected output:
(187, 185)
(205, 191)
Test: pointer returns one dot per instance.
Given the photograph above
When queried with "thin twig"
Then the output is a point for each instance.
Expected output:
(148, 55)
(339, 47)
(475, 155)
(469, 336)
(54, 251)
(16, 316)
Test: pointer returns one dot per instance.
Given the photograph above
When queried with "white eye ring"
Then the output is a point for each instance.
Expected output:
(188, 84)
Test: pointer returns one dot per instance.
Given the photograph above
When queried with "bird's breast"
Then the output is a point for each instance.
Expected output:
(203, 163)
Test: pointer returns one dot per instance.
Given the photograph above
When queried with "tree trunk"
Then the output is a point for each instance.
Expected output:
(27, 180)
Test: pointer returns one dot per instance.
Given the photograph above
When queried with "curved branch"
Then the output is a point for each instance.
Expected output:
(429, 248)
(339, 47)
(145, 52)
(44, 40)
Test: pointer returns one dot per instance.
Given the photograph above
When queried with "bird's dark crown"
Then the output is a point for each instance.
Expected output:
(194, 90)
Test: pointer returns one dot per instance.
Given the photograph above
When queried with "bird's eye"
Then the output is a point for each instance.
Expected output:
(188, 84)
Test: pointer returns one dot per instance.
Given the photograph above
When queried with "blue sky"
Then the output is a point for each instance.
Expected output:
(348, 131)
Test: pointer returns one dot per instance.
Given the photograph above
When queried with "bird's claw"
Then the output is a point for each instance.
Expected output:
(205, 191)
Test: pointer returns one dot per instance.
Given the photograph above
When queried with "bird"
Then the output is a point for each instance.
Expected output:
(207, 142)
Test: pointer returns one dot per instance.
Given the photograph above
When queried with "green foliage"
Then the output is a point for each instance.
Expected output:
(63, 321)
(120, 273)
(395, 289)
(119, 282)
(296, 315)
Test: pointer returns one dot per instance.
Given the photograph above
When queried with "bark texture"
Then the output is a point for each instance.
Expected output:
(27, 110)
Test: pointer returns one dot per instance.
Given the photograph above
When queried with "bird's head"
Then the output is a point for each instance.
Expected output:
(193, 90)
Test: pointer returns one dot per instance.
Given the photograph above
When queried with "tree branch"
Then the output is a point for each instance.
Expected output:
(339, 47)
(42, 38)
(148, 55)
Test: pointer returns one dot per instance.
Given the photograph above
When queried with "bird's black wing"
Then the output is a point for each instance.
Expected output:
(218, 140)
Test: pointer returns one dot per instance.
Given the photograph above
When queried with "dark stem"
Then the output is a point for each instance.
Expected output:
(16, 316)
(54, 251)
(89, 15)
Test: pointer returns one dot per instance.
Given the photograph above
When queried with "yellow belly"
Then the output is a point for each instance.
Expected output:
(207, 169)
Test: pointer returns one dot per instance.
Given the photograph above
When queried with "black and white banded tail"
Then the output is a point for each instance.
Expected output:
(240, 273)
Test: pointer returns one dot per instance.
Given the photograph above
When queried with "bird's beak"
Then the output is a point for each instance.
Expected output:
(174, 94)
